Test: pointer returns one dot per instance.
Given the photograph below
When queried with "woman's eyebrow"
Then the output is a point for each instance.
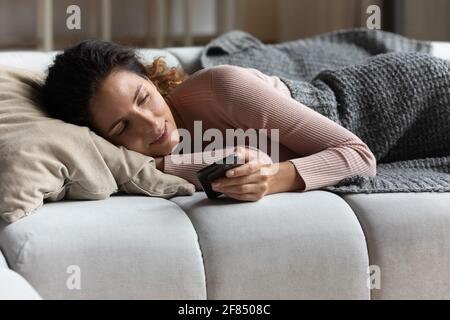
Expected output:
(136, 93)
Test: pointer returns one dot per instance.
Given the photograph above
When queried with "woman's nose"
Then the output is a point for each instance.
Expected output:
(148, 124)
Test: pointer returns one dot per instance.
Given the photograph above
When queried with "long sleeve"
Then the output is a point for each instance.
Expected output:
(273, 81)
(196, 101)
(328, 152)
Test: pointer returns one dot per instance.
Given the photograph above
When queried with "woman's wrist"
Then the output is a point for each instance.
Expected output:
(286, 179)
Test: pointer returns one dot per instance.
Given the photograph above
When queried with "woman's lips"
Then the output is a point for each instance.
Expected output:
(164, 136)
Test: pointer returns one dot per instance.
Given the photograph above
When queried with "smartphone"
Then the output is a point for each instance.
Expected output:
(215, 171)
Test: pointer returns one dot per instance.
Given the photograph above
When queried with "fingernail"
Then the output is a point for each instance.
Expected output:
(215, 184)
(230, 173)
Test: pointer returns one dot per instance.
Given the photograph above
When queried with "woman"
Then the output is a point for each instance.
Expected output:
(106, 87)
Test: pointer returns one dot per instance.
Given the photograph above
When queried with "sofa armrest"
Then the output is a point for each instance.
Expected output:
(14, 287)
(3, 263)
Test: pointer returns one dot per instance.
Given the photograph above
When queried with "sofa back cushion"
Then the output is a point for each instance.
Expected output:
(39, 61)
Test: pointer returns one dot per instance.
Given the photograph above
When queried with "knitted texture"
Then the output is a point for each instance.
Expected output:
(384, 88)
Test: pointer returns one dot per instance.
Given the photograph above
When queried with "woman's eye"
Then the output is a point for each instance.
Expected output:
(124, 127)
(145, 99)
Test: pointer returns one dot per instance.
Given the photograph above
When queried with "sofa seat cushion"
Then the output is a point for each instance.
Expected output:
(14, 287)
(408, 238)
(285, 246)
(125, 247)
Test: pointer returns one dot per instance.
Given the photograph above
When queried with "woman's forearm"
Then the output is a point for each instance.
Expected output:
(285, 179)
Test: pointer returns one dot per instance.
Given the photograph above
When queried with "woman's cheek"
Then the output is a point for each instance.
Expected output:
(134, 144)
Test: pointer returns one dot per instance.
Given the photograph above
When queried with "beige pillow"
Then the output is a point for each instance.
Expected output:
(44, 158)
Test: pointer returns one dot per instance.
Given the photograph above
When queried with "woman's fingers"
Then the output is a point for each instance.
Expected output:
(226, 182)
(245, 196)
(243, 170)
(258, 185)
(255, 184)
(246, 188)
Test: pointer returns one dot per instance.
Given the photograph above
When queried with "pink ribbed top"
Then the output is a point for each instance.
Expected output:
(231, 97)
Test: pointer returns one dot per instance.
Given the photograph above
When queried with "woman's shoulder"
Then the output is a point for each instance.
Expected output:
(218, 69)
(220, 77)
(236, 73)
(202, 79)
(226, 76)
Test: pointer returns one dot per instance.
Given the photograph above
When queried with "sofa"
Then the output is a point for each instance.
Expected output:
(312, 245)
(13, 286)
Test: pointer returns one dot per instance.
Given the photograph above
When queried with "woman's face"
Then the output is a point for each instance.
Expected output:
(128, 110)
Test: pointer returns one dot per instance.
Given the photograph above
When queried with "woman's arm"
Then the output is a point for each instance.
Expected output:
(328, 152)
(188, 100)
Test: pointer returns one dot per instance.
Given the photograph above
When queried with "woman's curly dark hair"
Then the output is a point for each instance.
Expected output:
(78, 72)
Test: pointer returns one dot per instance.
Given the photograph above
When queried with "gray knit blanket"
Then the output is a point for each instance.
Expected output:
(386, 89)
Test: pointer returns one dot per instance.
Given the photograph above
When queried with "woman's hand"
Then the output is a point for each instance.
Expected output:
(246, 182)
(257, 177)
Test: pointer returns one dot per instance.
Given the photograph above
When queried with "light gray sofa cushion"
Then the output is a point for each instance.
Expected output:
(124, 247)
(285, 246)
(15, 287)
(408, 238)
(189, 57)
(39, 61)
(3, 263)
